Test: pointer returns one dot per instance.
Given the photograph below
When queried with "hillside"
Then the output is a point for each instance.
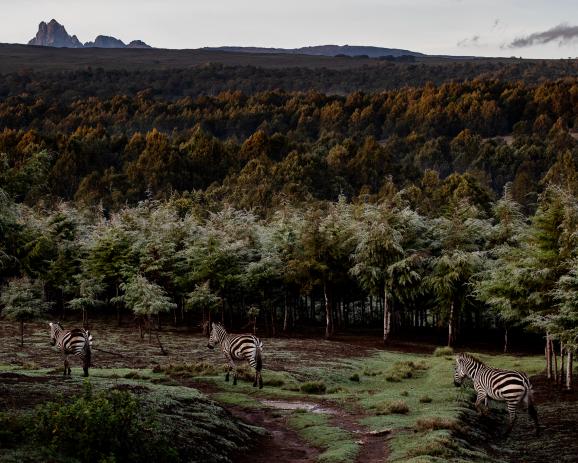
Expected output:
(326, 50)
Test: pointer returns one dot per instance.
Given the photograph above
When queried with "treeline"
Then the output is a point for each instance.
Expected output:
(212, 79)
(262, 150)
(332, 264)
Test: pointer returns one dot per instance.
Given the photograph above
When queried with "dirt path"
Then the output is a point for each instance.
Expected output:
(558, 413)
(373, 447)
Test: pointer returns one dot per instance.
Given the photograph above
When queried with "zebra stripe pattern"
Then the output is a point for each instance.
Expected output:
(76, 341)
(510, 386)
(238, 348)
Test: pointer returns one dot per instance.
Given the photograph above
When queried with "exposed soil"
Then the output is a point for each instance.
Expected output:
(558, 415)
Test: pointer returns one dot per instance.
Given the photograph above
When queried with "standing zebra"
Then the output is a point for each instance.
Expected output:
(238, 347)
(510, 386)
(76, 341)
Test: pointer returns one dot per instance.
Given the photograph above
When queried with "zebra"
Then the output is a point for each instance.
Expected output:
(510, 386)
(238, 347)
(76, 341)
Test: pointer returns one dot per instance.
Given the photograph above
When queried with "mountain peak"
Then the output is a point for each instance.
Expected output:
(53, 34)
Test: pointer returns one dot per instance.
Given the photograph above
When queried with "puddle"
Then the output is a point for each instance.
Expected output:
(309, 407)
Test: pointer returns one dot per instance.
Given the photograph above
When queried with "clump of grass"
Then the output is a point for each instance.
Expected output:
(313, 387)
(396, 407)
(425, 399)
(132, 375)
(404, 370)
(367, 372)
(433, 445)
(189, 369)
(29, 365)
(443, 351)
(404, 393)
(273, 382)
(354, 377)
(336, 389)
(435, 423)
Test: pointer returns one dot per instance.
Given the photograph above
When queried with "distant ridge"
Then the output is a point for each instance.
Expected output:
(54, 35)
(326, 50)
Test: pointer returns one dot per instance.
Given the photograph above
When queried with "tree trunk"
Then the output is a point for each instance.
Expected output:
(21, 333)
(548, 353)
(285, 315)
(328, 314)
(451, 326)
(555, 361)
(562, 350)
(386, 318)
(273, 327)
(569, 366)
(505, 340)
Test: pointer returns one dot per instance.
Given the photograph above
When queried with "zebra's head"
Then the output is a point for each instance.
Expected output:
(460, 372)
(215, 336)
(54, 329)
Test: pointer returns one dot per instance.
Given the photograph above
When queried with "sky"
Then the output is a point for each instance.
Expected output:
(526, 28)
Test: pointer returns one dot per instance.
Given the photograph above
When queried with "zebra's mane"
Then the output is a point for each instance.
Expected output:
(465, 355)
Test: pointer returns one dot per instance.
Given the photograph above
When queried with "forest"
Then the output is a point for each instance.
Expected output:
(438, 206)
(353, 226)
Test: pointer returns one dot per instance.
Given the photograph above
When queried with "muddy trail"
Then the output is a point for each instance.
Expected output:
(285, 445)
(558, 414)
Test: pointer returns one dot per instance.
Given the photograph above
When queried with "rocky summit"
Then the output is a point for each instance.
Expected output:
(54, 34)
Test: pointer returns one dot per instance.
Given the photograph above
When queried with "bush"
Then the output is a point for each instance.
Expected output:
(12, 429)
(398, 407)
(109, 425)
(403, 370)
(443, 351)
(354, 377)
(313, 387)
(435, 423)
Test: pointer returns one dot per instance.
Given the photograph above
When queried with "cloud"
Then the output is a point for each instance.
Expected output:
(497, 23)
(562, 33)
(469, 41)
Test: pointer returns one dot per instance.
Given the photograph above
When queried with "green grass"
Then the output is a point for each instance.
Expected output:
(337, 444)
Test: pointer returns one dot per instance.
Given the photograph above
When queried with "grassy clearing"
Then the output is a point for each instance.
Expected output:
(410, 393)
(338, 445)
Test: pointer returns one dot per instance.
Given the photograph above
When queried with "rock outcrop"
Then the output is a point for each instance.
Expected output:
(54, 34)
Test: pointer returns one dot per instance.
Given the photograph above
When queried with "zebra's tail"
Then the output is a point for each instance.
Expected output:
(258, 358)
(87, 352)
(532, 409)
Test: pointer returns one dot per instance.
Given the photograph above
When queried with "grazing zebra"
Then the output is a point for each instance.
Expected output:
(238, 347)
(76, 341)
(510, 386)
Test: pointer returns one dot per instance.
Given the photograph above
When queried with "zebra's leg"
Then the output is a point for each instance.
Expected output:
(66, 366)
(482, 397)
(260, 380)
(512, 406)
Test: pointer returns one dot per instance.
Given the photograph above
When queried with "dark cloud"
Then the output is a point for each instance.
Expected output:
(470, 41)
(562, 33)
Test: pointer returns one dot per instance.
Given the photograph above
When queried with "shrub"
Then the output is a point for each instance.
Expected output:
(313, 387)
(398, 407)
(273, 382)
(425, 399)
(102, 426)
(443, 351)
(403, 370)
(435, 423)
(354, 377)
